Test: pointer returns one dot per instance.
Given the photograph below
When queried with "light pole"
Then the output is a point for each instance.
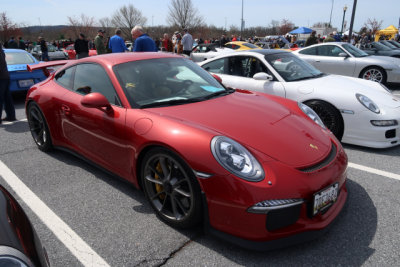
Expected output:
(241, 24)
(344, 13)
(330, 18)
(353, 13)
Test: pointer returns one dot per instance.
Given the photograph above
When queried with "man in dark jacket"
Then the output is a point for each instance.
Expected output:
(5, 94)
(99, 43)
(43, 48)
(21, 43)
(312, 39)
(12, 43)
(81, 47)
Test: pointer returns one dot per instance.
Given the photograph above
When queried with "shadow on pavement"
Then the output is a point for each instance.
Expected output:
(16, 127)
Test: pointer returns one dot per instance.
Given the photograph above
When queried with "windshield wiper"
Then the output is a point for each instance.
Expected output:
(224, 92)
(170, 102)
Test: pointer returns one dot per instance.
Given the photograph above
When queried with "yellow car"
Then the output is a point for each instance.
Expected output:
(238, 45)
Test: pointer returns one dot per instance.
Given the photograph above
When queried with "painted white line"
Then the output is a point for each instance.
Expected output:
(12, 122)
(374, 171)
(85, 254)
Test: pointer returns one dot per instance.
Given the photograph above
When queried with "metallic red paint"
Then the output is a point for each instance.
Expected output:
(273, 129)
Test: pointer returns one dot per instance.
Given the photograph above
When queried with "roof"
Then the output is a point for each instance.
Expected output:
(14, 50)
(264, 51)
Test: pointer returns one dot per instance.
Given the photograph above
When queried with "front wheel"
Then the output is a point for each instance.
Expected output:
(329, 115)
(375, 74)
(38, 127)
(171, 188)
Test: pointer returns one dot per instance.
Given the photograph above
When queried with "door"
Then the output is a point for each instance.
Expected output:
(98, 135)
(329, 61)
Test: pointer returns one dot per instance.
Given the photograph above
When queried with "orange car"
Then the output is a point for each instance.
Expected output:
(239, 45)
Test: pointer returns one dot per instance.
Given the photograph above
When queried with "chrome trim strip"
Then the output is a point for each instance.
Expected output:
(202, 174)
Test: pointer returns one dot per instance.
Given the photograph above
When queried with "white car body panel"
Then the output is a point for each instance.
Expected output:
(339, 91)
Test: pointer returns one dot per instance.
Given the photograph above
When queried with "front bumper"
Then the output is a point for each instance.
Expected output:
(228, 199)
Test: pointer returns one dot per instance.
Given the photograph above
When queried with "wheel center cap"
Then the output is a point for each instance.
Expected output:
(167, 187)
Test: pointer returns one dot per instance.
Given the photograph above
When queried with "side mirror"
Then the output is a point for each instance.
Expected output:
(96, 100)
(262, 76)
(343, 54)
(217, 78)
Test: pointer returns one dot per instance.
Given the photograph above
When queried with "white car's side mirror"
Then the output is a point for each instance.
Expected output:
(262, 76)
(343, 54)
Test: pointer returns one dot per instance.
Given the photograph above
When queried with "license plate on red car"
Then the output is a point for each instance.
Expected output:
(325, 198)
(25, 83)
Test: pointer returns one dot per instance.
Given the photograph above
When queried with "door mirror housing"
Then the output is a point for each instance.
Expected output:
(96, 100)
(343, 54)
(262, 76)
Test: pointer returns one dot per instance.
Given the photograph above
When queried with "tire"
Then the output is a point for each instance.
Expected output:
(375, 74)
(171, 188)
(329, 115)
(38, 127)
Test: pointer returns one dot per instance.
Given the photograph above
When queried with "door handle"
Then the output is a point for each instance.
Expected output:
(65, 109)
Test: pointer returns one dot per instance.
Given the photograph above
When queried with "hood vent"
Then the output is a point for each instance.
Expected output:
(324, 162)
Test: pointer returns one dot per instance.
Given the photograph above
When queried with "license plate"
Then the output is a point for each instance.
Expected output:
(325, 198)
(25, 83)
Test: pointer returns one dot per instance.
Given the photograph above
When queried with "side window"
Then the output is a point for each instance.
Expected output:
(229, 46)
(64, 77)
(90, 78)
(217, 66)
(308, 51)
(329, 50)
(336, 51)
(238, 66)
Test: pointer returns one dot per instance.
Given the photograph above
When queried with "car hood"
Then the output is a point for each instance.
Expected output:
(256, 121)
(348, 86)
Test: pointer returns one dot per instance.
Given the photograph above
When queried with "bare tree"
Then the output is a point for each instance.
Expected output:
(286, 26)
(106, 25)
(183, 14)
(7, 28)
(83, 24)
(373, 25)
(126, 18)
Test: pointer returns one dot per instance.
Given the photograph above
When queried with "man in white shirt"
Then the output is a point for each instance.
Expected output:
(187, 42)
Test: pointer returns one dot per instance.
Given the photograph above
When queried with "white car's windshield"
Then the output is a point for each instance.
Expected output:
(354, 50)
(291, 68)
(166, 81)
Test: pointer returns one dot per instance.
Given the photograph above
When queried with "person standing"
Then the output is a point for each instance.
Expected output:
(143, 42)
(167, 44)
(224, 40)
(43, 48)
(99, 43)
(117, 44)
(81, 47)
(329, 38)
(12, 43)
(312, 39)
(5, 94)
(21, 43)
(187, 42)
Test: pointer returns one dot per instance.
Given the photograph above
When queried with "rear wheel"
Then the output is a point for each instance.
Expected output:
(171, 188)
(375, 74)
(38, 127)
(329, 115)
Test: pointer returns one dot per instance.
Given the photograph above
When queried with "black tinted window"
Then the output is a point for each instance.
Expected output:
(64, 77)
(90, 78)
(308, 51)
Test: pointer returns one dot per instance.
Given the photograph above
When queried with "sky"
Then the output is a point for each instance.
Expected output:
(219, 13)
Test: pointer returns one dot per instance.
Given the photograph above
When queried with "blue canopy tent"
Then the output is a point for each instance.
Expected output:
(301, 30)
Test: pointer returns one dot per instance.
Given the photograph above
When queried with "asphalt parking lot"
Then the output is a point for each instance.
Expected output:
(84, 216)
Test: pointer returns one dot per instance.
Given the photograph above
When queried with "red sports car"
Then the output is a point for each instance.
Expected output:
(258, 170)
(72, 53)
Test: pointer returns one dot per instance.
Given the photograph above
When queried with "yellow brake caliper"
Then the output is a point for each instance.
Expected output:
(159, 188)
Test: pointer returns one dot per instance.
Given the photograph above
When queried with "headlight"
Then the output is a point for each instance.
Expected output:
(368, 103)
(236, 159)
(311, 113)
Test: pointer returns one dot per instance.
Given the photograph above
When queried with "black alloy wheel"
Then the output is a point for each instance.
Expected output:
(38, 127)
(329, 115)
(171, 188)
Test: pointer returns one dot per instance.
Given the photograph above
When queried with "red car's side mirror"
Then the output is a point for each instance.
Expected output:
(96, 100)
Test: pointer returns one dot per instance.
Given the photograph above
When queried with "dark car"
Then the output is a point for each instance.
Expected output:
(389, 44)
(19, 243)
(378, 49)
(393, 42)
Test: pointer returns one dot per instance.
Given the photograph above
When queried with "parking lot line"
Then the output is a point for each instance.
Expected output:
(85, 254)
(374, 171)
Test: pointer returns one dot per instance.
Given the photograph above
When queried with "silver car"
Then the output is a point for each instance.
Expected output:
(53, 52)
(346, 59)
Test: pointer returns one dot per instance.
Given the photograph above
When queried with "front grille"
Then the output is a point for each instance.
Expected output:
(324, 162)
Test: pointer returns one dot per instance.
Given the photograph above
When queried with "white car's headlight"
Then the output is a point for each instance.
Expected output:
(236, 159)
(311, 114)
(368, 103)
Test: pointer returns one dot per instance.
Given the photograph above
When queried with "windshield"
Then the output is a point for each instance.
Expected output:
(291, 68)
(51, 48)
(388, 44)
(381, 47)
(354, 50)
(18, 58)
(161, 81)
(396, 44)
(249, 45)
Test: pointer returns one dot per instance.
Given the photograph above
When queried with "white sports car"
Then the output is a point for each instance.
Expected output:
(357, 111)
(206, 51)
